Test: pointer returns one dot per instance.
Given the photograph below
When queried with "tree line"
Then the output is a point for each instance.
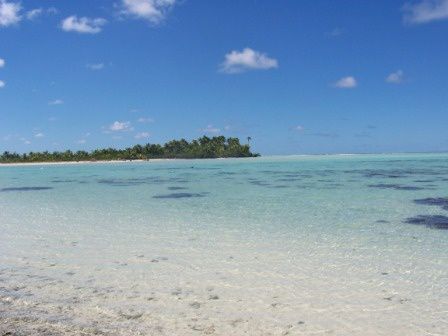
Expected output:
(201, 148)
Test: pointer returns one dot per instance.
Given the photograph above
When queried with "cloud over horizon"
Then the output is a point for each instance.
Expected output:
(34, 13)
(9, 13)
(142, 135)
(348, 82)
(210, 129)
(95, 66)
(121, 126)
(2, 64)
(56, 102)
(153, 11)
(395, 77)
(144, 120)
(245, 60)
(425, 11)
(83, 25)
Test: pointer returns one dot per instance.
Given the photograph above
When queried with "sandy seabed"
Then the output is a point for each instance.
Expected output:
(269, 247)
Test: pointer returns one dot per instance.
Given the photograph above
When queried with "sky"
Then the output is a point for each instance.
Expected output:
(298, 77)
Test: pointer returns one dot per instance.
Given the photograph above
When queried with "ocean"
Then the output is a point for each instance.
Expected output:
(294, 245)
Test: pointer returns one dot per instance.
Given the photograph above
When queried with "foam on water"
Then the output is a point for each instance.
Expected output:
(267, 246)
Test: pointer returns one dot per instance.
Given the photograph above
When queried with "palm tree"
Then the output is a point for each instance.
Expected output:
(204, 147)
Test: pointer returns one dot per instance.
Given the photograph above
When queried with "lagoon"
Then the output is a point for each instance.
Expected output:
(296, 245)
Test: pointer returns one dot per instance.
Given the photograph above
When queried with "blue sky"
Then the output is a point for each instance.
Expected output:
(319, 76)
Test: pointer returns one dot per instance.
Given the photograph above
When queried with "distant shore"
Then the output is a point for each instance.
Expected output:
(57, 163)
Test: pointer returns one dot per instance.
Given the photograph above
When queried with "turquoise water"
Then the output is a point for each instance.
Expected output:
(267, 246)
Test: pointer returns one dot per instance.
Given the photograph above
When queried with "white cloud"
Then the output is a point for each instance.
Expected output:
(211, 129)
(142, 135)
(56, 102)
(95, 66)
(395, 77)
(348, 82)
(425, 11)
(247, 59)
(153, 11)
(121, 126)
(39, 135)
(299, 128)
(2, 62)
(2, 84)
(83, 25)
(34, 13)
(9, 13)
(145, 120)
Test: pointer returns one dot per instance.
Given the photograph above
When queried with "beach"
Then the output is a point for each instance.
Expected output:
(59, 163)
(314, 245)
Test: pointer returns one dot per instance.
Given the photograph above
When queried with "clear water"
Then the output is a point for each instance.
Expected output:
(267, 246)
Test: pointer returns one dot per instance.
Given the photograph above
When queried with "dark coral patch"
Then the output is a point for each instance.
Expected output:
(259, 183)
(177, 188)
(25, 189)
(126, 182)
(394, 186)
(179, 195)
(433, 222)
(224, 173)
(121, 182)
(435, 201)
(290, 179)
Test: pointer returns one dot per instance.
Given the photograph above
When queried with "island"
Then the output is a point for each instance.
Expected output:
(201, 148)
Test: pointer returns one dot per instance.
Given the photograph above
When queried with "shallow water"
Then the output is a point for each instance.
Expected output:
(340, 245)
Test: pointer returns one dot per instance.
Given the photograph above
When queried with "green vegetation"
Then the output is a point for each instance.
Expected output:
(205, 147)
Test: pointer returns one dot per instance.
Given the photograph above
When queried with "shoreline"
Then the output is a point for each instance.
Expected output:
(62, 163)
(57, 163)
